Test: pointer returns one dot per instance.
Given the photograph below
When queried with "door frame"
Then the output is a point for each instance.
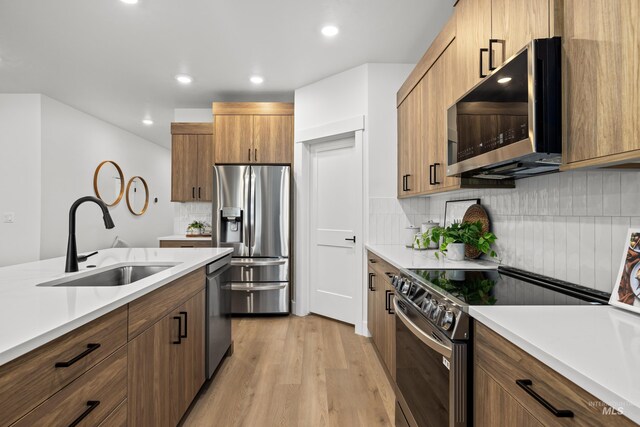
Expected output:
(355, 127)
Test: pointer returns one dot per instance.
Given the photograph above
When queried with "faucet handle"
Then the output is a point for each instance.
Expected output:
(83, 258)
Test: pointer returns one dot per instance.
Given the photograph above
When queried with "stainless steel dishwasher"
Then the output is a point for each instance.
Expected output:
(218, 313)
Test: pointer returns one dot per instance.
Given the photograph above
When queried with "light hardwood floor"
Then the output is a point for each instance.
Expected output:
(296, 371)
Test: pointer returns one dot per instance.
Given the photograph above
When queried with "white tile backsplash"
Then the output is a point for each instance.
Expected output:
(185, 213)
(570, 225)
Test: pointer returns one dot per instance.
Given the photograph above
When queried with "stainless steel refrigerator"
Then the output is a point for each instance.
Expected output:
(251, 214)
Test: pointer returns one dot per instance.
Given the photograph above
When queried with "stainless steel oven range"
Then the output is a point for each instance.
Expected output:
(434, 337)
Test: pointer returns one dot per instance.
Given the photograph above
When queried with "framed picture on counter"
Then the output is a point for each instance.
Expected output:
(626, 292)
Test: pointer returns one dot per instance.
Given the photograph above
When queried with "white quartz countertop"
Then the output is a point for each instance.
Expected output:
(32, 315)
(403, 257)
(596, 347)
(183, 237)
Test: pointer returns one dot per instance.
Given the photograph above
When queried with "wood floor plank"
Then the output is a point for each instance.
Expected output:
(296, 371)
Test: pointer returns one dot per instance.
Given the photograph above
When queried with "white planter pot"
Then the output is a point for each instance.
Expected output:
(455, 251)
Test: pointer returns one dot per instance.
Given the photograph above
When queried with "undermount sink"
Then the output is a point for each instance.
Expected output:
(117, 276)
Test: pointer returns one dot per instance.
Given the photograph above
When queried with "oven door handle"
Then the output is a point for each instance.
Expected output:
(426, 339)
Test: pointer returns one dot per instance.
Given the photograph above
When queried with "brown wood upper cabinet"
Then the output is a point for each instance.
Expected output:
(490, 31)
(253, 132)
(410, 143)
(601, 84)
(192, 162)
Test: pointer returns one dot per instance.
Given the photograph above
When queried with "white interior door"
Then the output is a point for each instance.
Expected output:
(336, 229)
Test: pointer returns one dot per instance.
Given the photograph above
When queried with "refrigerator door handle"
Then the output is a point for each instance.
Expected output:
(248, 208)
(254, 208)
(258, 263)
(273, 287)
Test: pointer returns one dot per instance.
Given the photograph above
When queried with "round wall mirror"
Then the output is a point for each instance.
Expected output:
(108, 182)
(137, 195)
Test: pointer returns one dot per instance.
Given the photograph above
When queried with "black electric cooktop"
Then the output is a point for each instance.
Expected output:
(504, 286)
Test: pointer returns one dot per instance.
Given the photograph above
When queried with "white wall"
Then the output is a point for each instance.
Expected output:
(20, 177)
(384, 80)
(193, 115)
(73, 144)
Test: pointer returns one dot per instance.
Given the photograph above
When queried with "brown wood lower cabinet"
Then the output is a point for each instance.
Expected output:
(500, 401)
(186, 244)
(380, 315)
(166, 366)
(94, 376)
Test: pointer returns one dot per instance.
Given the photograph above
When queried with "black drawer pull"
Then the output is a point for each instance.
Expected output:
(185, 324)
(371, 276)
(90, 348)
(560, 413)
(179, 319)
(92, 404)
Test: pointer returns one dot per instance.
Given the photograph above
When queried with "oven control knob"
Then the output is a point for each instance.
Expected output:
(426, 304)
(448, 320)
(435, 310)
(394, 281)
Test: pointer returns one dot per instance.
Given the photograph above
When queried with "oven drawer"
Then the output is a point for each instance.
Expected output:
(508, 365)
(259, 270)
(252, 297)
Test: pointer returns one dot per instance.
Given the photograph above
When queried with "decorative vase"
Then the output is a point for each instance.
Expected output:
(455, 251)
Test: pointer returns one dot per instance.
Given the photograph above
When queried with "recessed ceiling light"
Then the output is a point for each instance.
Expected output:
(256, 80)
(147, 122)
(504, 80)
(129, 1)
(330, 30)
(184, 79)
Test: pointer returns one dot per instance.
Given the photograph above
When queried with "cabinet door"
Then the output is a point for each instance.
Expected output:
(184, 163)
(189, 361)
(516, 23)
(410, 143)
(234, 138)
(493, 406)
(273, 139)
(473, 31)
(205, 168)
(372, 304)
(600, 85)
(149, 375)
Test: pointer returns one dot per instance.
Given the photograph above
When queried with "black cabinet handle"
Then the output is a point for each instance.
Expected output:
(560, 413)
(90, 348)
(371, 276)
(387, 302)
(404, 182)
(407, 181)
(92, 404)
(193, 192)
(484, 49)
(435, 174)
(431, 175)
(352, 239)
(179, 319)
(255, 154)
(185, 324)
(199, 193)
(491, 42)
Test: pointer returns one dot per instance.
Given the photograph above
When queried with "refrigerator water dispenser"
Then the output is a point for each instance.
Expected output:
(231, 221)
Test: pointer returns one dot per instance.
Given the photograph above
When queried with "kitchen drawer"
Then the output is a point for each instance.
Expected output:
(506, 364)
(259, 270)
(260, 298)
(186, 244)
(117, 418)
(90, 398)
(29, 380)
(147, 310)
(380, 265)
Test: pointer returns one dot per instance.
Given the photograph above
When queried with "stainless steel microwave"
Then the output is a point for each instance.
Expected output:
(510, 124)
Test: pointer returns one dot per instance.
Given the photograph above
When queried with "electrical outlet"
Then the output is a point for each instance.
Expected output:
(9, 217)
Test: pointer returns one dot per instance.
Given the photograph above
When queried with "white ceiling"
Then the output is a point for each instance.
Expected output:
(118, 61)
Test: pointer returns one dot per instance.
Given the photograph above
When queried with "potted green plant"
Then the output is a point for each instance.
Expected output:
(452, 239)
(196, 227)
